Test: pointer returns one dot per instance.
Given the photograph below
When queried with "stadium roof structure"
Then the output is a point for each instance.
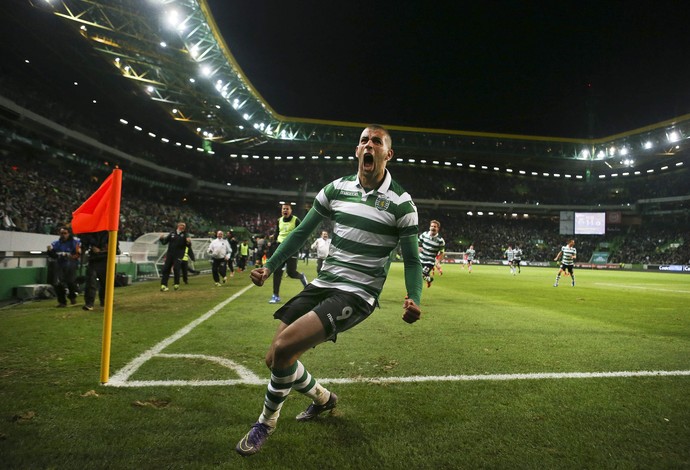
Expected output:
(174, 52)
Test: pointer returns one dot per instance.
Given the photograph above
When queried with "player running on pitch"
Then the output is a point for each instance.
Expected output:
(569, 254)
(431, 245)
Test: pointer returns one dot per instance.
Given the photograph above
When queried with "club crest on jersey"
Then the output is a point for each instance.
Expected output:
(382, 203)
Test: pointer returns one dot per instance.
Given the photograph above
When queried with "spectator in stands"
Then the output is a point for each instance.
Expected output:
(177, 242)
(65, 251)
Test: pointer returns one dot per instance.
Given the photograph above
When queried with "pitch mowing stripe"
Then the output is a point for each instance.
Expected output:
(431, 378)
(627, 286)
(126, 372)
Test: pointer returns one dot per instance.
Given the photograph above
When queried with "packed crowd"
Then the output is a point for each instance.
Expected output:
(62, 188)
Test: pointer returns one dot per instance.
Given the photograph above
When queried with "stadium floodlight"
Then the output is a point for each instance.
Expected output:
(469, 212)
(568, 176)
(206, 70)
(624, 151)
(246, 116)
(484, 167)
(163, 44)
(480, 213)
(601, 177)
(650, 171)
(458, 164)
(579, 177)
(178, 144)
(491, 213)
(228, 184)
(647, 145)
(398, 159)
(472, 165)
(137, 128)
(447, 163)
(411, 160)
(189, 147)
(665, 167)
(545, 174)
(422, 161)
(509, 170)
(638, 172)
(191, 80)
(556, 175)
(679, 164)
(625, 173)
(302, 157)
(613, 175)
(673, 136)
(584, 154)
(601, 155)
(496, 168)
(172, 17)
(436, 162)
(612, 151)
(122, 121)
(165, 140)
(534, 173)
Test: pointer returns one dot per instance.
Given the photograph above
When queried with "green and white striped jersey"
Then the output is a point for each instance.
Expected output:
(569, 255)
(367, 228)
(431, 246)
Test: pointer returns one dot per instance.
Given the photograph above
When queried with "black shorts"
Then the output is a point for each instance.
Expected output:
(338, 310)
(567, 267)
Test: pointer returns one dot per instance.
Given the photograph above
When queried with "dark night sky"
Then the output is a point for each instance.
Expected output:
(566, 68)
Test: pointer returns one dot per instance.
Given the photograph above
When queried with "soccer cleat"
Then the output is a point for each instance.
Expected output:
(314, 410)
(274, 299)
(87, 307)
(303, 278)
(176, 287)
(252, 441)
(555, 285)
(164, 288)
(217, 284)
(573, 284)
(225, 278)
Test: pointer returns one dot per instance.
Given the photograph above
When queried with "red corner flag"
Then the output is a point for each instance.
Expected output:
(102, 210)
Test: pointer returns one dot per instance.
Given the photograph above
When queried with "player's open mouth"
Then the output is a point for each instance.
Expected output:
(368, 161)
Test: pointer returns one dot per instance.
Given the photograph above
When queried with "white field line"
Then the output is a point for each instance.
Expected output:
(126, 372)
(412, 379)
(247, 377)
(627, 286)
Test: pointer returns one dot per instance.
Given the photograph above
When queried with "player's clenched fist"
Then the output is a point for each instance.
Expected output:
(259, 276)
(411, 311)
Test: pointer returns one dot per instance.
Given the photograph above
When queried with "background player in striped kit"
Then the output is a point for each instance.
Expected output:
(569, 254)
(431, 245)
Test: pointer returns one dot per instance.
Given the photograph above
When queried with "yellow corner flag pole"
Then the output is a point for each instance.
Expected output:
(108, 310)
(113, 221)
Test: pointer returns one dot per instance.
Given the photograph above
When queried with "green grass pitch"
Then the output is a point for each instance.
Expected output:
(488, 378)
